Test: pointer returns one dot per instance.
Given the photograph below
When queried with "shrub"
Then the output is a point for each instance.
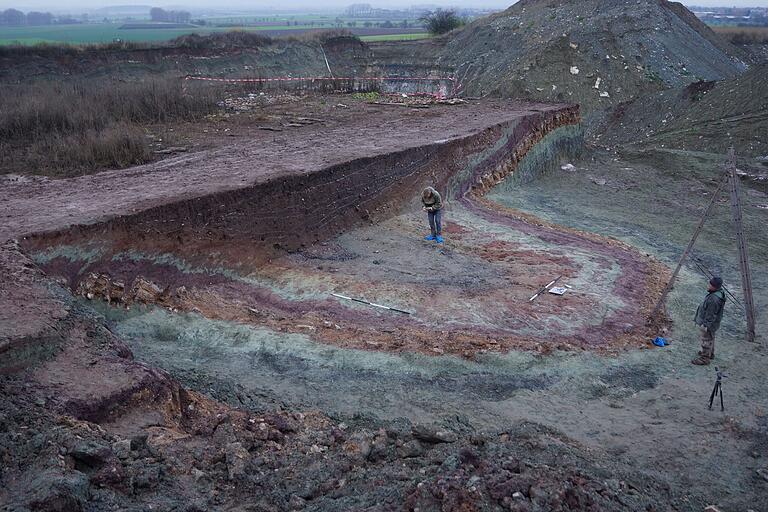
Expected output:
(220, 40)
(441, 21)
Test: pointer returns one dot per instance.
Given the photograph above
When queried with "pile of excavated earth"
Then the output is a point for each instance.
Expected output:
(596, 53)
(179, 336)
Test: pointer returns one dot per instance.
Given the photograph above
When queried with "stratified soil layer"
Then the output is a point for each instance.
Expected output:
(266, 233)
(289, 187)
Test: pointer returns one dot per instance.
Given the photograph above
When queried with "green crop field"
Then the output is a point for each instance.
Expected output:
(108, 32)
(105, 33)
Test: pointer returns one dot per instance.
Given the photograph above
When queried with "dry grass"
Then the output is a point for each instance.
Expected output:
(79, 127)
(215, 40)
(51, 50)
(116, 146)
(743, 35)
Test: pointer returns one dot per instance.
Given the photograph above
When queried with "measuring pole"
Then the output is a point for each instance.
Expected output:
(670, 284)
(741, 240)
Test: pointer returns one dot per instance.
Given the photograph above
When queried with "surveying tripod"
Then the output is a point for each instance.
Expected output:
(718, 390)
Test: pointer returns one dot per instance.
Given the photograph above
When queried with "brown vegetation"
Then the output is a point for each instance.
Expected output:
(215, 40)
(244, 39)
(743, 36)
(83, 126)
(65, 49)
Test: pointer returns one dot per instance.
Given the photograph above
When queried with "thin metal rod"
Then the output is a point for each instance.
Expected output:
(544, 288)
(373, 304)
(326, 61)
(741, 240)
(687, 250)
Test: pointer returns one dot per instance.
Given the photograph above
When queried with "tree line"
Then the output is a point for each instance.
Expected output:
(16, 18)
(158, 14)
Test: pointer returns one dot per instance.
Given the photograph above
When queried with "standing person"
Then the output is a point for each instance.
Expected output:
(433, 205)
(708, 317)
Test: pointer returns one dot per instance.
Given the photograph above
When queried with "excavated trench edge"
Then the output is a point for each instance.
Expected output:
(289, 213)
(294, 211)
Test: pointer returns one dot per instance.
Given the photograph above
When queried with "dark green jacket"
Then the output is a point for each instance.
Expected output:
(710, 312)
(433, 203)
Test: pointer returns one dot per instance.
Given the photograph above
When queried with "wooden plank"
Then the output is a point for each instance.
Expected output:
(687, 250)
(741, 240)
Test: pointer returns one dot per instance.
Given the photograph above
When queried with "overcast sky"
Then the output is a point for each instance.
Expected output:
(74, 5)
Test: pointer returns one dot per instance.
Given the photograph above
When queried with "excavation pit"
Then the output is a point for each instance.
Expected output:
(264, 231)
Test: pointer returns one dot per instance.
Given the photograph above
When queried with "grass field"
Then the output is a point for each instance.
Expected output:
(108, 32)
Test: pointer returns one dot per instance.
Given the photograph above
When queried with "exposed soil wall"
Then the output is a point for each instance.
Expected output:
(279, 57)
(293, 211)
(251, 255)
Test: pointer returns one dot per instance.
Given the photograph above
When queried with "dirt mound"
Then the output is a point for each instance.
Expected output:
(592, 52)
(281, 461)
(704, 116)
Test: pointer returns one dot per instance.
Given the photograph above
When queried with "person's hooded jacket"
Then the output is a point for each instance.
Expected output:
(434, 202)
(710, 313)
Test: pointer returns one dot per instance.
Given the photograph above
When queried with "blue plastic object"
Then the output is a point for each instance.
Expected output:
(439, 239)
(660, 342)
(429, 237)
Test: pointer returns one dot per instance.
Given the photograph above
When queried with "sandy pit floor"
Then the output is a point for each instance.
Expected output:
(646, 407)
(466, 297)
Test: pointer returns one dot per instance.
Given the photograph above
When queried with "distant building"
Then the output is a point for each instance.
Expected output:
(359, 11)
(732, 15)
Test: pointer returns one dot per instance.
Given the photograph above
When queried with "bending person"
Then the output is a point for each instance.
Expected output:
(433, 205)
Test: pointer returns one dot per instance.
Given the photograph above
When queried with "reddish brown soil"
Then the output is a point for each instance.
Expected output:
(345, 135)
(220, 211)
(236, 225)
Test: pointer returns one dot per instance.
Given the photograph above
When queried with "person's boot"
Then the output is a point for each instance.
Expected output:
(439, 239)
(701, 353)
(702, 360)
(429, 237)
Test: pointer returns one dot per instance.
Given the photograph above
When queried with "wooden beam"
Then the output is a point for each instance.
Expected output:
(741, 241)
(686, 252)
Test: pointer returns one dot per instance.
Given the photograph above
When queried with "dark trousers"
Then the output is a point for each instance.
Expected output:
(436, 222)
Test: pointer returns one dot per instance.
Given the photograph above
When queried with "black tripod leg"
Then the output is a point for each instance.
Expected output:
(712, 396)
(722, 407)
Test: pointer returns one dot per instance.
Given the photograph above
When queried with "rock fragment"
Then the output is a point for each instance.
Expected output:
(122, 448)
(55, 492)
(432, 435)
(236, 458)
(410, 449)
